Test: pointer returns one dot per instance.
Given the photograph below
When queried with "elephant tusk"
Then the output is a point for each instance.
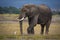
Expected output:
(17, 19)
(21, 19)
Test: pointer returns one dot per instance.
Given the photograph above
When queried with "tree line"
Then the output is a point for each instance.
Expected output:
(9, 10)
(14, 10)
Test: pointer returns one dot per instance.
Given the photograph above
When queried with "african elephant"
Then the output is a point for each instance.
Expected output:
(40, 14)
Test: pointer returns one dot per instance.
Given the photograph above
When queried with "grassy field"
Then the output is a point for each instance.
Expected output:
(10, 30)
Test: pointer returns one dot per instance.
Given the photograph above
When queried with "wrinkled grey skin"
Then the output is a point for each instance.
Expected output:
(36, 15)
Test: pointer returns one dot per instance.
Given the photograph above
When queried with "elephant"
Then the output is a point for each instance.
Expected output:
(37, 14)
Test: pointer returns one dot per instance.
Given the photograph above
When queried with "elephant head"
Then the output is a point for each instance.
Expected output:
(23, 13)
(28, 10)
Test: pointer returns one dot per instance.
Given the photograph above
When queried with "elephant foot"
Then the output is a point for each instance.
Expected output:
(46, 33)
(30, 31)
(41, 33)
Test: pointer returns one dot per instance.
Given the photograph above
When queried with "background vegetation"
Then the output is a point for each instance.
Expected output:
(14, 10)
(10, 10)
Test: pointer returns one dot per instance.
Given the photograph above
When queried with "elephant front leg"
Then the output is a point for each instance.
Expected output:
(30, 30)
(32, 23)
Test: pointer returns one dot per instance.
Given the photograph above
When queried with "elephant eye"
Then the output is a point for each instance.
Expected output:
(23, 10)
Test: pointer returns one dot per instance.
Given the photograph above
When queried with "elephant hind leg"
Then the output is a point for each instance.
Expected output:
(42, 28)
(47, 27)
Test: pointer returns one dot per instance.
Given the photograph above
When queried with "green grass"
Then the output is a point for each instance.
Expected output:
(8, 16)
(7, 32)
(27, 37)
(7, 29)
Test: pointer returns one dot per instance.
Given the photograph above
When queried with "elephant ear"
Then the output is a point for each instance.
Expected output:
(34, 10)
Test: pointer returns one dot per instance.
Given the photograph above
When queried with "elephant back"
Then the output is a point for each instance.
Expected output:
(29, 5)
(44, 8)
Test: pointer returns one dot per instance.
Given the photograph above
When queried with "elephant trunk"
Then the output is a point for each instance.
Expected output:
(20, 22)
(21, 30)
